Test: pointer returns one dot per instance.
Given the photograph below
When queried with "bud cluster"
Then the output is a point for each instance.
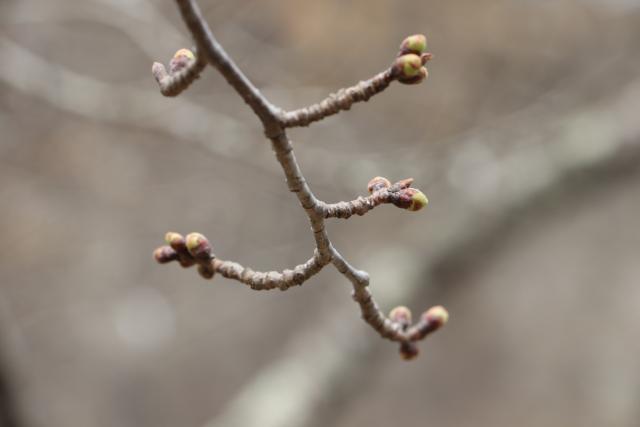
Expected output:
(409, 66)
(400, 194)
(189, 251)
(430, 321)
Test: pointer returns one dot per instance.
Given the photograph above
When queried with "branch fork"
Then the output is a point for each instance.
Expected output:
(196, 250)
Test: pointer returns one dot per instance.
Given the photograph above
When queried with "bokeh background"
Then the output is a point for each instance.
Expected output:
(525, 137)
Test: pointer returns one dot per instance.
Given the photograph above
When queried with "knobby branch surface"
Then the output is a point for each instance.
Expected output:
(195, 249)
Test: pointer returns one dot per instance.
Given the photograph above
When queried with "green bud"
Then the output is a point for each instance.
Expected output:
(407, 66)
(408, 69)
(423, 74)
(410, 199)
(198, 246)
(416, 43)
(418, 200)
(175, 240)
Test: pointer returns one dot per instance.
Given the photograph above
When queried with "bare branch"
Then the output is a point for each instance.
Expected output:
(340, 101)
(273, 279)
(217, 57)
(408, 68)
(195, 249)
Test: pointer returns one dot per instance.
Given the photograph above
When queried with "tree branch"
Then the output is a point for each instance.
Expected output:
(340, 101)
(408, 68)
(399, 194)
(217, 57)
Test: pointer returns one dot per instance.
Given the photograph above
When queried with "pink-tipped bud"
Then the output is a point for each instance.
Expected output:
(409, 350)
(180, 60)
(437, 316)
(206, 270)
(198, 246)
(415, 44)
(401, 315)
(410, 199)
(378, 183)
(165, 254)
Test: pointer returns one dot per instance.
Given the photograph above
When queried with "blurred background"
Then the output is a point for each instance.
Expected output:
(525, 137)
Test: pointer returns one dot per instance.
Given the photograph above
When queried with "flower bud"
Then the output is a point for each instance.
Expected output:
(401, 315)
(409, 350)
(198, 246)
(176, 241)
(410, 199)
(424, 73)
(206, 270)
(184, 53)
(180, 60)
(416, 44)
(165, 254)
(437, 316)
(407, 66)
(408, 69)
(378, 183)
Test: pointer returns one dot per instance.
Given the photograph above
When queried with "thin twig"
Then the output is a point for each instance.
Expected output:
(269, 280)
(339, 101)
(174, 84)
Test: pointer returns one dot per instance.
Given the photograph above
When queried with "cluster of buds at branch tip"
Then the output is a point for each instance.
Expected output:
(430, 321)
(400, 194)
(402, 316)
(409, 66)
(189, 251)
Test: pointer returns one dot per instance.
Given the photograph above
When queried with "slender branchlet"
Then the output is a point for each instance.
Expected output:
(195, 249)
(184, 68)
